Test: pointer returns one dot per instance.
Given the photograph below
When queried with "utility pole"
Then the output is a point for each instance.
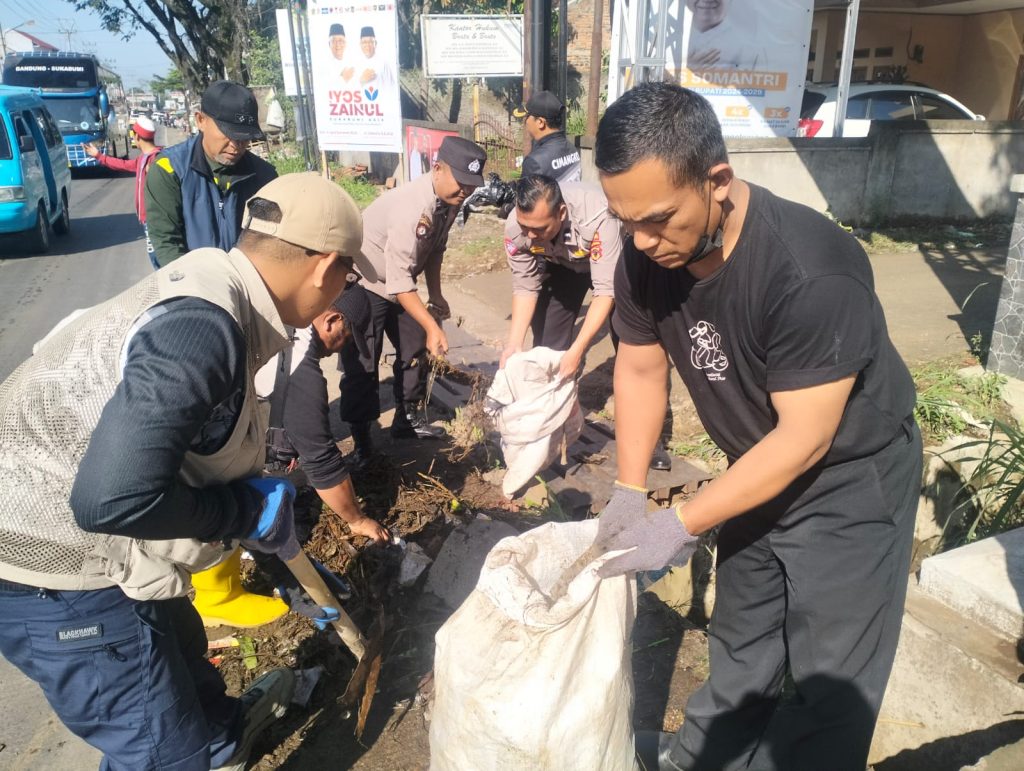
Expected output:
(67, 28)
(594, 86)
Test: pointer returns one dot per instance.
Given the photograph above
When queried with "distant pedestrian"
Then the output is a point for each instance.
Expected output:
(198, 189)
(145, 138)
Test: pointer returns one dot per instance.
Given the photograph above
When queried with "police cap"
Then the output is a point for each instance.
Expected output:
(465, 158)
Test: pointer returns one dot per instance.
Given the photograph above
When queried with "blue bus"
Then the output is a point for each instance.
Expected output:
(86, 99)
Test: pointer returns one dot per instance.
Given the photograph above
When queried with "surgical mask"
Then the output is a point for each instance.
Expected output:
(707, 243)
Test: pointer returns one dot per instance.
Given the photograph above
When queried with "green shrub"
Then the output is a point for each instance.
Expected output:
(363, 193)
(286, 163)
(996, 488)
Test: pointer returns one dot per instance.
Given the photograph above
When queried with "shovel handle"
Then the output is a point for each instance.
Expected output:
(313, 584)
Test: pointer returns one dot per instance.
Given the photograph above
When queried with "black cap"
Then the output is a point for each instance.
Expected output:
(233, 108)
(465, 158)
(543, 104)
(366, 32)
(336, 29)
(354, 306)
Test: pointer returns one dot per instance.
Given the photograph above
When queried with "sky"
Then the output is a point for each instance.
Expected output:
(136, 60)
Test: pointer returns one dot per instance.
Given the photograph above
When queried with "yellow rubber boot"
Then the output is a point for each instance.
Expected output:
(221, 600)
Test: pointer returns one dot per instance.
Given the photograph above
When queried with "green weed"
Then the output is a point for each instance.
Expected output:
(947, 401)
(287, 163)
(363, 193)
(996, 489)
(699, 447)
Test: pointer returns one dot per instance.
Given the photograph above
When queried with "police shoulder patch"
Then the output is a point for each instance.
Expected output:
(595, 248)
(510, 247)
(423, 227)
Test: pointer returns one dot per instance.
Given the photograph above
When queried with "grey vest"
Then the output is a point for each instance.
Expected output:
(50, 405)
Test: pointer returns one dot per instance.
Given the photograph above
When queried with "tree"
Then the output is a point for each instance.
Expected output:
(205, 40)
(172, 81)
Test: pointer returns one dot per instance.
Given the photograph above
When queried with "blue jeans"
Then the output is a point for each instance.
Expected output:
(130, 678)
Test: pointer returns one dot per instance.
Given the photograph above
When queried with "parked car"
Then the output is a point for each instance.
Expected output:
(875, 101)
(35, 176)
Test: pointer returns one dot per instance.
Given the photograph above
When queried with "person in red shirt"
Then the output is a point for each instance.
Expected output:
(145, 136)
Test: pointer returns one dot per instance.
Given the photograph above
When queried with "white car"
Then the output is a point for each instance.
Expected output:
(875, 101)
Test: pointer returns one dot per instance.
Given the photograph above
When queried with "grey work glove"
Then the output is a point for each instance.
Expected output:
(655, 537)
(274, 532)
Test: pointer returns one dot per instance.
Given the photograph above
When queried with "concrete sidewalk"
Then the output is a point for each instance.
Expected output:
(923, 294)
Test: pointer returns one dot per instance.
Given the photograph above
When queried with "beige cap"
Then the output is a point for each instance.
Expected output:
(315, 214)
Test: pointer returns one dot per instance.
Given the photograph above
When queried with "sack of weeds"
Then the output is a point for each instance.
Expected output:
(533, 671)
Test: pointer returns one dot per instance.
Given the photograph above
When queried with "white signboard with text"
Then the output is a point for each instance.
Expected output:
(472, 46)
(354, 51)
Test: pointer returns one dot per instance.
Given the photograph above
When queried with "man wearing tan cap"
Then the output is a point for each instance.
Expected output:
(405, 233)
(143, 466)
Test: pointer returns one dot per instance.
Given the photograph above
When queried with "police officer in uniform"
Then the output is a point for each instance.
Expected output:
(405, 233)
(553, 154)
(561, 241)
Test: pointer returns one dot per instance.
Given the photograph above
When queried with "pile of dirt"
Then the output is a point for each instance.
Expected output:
(422, 508)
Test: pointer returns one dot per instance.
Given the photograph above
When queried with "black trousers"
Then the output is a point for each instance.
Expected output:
(820, 587)
(360, 360)
(558, 306)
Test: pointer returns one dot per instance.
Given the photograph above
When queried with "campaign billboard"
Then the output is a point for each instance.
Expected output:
(421, 146)
(354, 52)
(747, 57)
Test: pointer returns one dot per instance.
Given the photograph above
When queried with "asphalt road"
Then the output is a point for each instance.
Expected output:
(103, 254)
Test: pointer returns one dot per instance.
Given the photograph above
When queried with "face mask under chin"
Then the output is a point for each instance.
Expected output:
(706, 246)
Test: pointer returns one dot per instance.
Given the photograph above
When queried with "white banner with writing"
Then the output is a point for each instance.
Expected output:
(457, 46)
(354, 51)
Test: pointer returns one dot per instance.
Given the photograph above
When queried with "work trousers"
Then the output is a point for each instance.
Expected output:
(130, 678)
(817, 580)
(558, 306)
(360, 360)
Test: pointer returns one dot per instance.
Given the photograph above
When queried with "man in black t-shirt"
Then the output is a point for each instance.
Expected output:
(768, 312)
(300, 429)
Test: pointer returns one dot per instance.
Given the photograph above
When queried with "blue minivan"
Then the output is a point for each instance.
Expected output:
(35, 179)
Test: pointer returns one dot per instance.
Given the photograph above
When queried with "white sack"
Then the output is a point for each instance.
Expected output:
(524, 684)
(535, 412)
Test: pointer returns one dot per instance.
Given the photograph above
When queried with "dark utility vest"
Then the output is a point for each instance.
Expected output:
(213, 218)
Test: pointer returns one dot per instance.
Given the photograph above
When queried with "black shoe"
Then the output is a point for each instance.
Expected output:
(652, 751)
(363, 442)
(661, 460)
(409, 424)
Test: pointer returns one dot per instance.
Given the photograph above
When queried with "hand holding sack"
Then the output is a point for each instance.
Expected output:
(536, 411)
(651, 539)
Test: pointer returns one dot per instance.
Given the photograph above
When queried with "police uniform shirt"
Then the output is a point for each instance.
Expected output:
(404, 231)
(590, 241)
(793, 307)
(556, 157)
